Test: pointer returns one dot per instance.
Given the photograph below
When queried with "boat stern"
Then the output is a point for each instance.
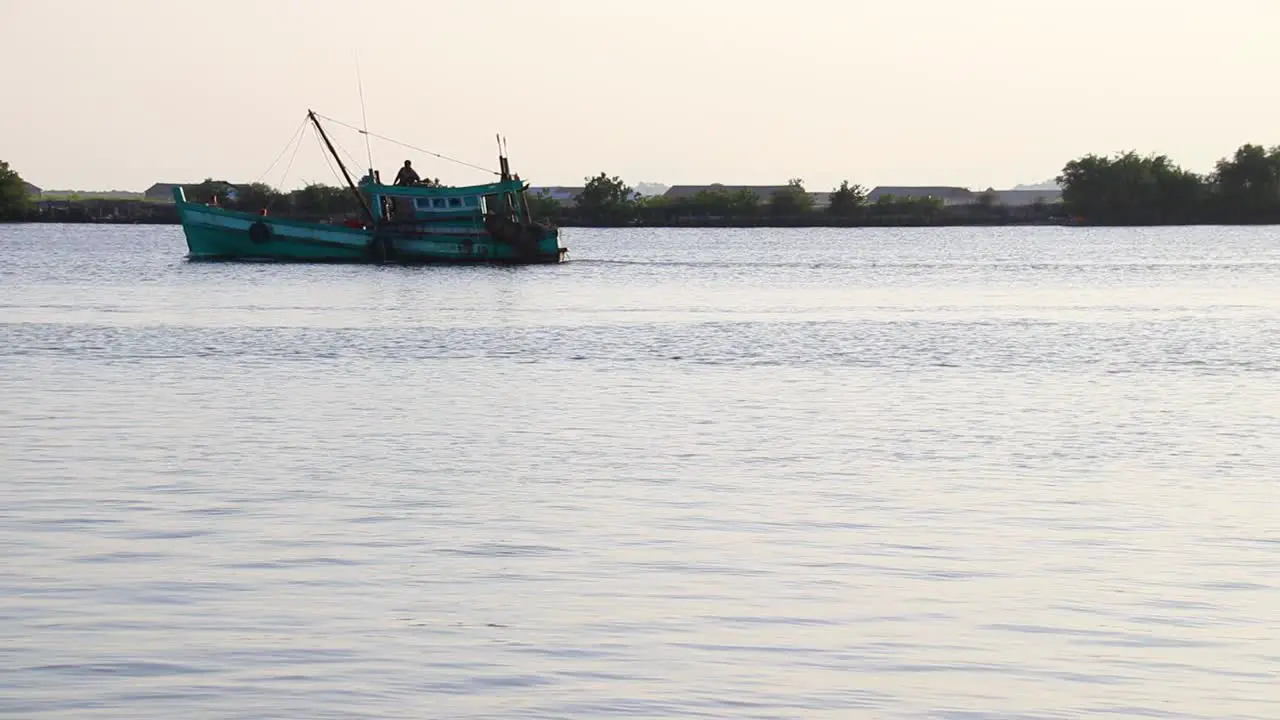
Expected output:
(549, 246)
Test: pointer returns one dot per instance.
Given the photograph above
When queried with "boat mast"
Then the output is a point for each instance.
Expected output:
(503, 167)
(521, 201)
(350, 184)
(364, 117)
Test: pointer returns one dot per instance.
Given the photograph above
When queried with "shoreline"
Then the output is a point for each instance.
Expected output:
(742, 223)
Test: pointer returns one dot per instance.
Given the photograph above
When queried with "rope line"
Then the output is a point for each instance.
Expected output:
(354, 163)
(297, 145)
(325, 154)
(285, 149)
(407, 145)
(364, 116)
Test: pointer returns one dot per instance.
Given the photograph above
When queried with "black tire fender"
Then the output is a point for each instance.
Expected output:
(259, 232)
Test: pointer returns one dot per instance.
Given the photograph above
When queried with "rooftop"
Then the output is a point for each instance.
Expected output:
(764, 192)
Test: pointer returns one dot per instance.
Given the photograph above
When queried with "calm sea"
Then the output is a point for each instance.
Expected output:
(961, 473)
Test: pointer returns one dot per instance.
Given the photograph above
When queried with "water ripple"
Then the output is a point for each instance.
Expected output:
(962, 473)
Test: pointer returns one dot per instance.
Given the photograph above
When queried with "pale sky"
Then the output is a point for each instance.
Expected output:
(118, 94)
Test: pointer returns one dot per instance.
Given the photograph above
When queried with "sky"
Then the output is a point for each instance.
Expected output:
(122, 94)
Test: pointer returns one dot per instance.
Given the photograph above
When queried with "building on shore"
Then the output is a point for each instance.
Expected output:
(956, 196)
(948, 196)
(1024, 198)
(567, 196)
(561, 195)
(763, 193)
(160, 192)
(33, 192)
(163, 192)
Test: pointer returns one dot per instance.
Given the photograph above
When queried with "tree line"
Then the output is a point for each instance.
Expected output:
(608, 200)
(1121, 189)
(1132, 189)
(313, 201)
(604, 200)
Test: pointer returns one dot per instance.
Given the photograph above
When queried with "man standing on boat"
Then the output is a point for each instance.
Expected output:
(407, 175)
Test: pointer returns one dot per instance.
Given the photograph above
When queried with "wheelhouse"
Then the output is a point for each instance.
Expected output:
(416, 203)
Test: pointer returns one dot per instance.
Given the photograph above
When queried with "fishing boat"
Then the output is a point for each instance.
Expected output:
(401, 224)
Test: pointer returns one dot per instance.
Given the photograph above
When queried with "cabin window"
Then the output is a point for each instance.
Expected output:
(437, 202)
(455, 202)
(472, 201)
(422, 203)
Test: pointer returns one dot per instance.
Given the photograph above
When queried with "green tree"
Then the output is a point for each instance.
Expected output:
(719, 201)
(1181, 194)
(847, 199)
(1248, 184)
(653, 202)
(1131, 189)
(924, 205)
(606, 199)
(791, 200)
(541, 206)
(316, 200)
(13, 193)
(256, 196)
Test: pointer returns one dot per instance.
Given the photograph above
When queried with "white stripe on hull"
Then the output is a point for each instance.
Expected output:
(351, 237)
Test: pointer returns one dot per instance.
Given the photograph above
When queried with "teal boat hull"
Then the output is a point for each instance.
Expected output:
(217, 234)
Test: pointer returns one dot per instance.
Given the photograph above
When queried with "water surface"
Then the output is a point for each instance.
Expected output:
(958, 473)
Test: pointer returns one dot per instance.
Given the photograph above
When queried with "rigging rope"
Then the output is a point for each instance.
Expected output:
(325, 154)
(354, 163)
(407, 145)
(296, 147)
(364, 116)
(285, 149)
